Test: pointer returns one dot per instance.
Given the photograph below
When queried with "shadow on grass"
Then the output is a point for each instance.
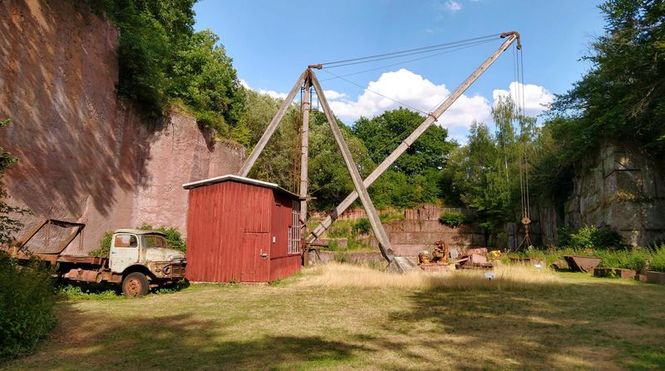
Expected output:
(583, 325)
(175, 342)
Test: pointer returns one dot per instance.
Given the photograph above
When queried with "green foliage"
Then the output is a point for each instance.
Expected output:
(361, 226)
(340, 229)
(26, 306)
(628, 259)
(485, 174)
(452, 218)
(8, 225)
(161, 59)
(97, 292)
(622, 97)
(414, 178)
(278, 160)
(330, 181)
(104, 246)
(382, 134)
(203, 76)
(590, 236)
(172, 235)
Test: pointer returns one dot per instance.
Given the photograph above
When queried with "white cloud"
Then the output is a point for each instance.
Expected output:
(536, 98)
(452, 6)
(271, 93)
(415, 91)
(333, 95)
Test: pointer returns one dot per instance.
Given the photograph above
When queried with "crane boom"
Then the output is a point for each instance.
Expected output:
(510, 37)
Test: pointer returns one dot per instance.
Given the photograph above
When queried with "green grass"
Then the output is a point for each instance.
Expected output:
(636, 259)
(580, 322)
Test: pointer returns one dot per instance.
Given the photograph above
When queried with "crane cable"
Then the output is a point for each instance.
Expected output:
(520, 108)
(406, 52)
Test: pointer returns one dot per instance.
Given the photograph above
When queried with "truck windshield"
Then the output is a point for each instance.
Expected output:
(153, 240)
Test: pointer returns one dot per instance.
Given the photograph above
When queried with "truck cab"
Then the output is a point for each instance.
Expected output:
(144, 259)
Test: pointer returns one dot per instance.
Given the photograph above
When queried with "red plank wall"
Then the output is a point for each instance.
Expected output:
(230, 225)
(218, 217)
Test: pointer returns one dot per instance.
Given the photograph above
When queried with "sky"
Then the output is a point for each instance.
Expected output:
(272, 41)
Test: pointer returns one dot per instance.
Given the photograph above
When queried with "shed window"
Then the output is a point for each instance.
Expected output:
(294, 228)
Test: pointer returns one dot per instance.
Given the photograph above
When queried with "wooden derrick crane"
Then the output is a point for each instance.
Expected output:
(309, 80)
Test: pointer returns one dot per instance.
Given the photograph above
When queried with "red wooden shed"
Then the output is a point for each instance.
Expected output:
(241, 229)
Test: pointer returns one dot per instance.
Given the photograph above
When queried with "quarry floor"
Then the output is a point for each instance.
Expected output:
(577, 322)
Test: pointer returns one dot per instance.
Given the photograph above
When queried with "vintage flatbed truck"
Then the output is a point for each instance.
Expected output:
(138, 259)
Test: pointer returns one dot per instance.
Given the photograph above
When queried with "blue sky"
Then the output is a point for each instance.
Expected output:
(271, 42)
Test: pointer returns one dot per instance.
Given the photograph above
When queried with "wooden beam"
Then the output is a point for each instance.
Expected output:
(372, 215)
(304, 148)
(270, 130)
(406, 143)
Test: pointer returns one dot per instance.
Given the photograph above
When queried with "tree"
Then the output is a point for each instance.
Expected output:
(162, 60)
(623, 96)
(8, 225)
(485, 173)
(414, 178)
(330, 181)
(382, 134)
(202, 75)
(150, 34)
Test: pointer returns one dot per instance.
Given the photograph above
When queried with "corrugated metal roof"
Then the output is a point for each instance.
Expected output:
(239, 179)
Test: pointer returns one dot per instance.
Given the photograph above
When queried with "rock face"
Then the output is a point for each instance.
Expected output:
(420, 229)
(84, 155)
(622, 188)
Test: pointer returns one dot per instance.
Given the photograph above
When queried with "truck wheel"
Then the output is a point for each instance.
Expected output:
(135, 284)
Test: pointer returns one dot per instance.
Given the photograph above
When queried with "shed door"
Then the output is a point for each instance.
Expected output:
(255, 257)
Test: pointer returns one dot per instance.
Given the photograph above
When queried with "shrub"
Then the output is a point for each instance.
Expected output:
(628, 259)
(172, 235)
(361, 226)
(452, 219)
(27, 298)
(591, 236)
(657, 259)
(104, 246)
(340, 229)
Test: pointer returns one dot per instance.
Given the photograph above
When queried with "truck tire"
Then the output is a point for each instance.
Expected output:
(135, 284)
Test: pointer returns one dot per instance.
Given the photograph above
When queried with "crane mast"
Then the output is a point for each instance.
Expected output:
(510, 37)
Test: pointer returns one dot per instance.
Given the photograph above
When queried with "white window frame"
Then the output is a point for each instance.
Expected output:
(294, 229)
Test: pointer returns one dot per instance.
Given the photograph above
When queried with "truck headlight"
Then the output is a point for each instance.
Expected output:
(166, 269)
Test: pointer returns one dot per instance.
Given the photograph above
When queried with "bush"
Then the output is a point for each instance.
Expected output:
(361, 226)
(590, 236)
(452, 219)
(27, 298)
(172, 235)
(104, 246)
(657, 259)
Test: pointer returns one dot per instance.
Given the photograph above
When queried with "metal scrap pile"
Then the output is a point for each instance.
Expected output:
(442, 258)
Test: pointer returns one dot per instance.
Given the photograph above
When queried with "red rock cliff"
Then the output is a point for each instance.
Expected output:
(85, 155)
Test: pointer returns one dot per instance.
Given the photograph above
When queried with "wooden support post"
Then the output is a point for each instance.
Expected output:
(304, 147)
(431, 118)
(247, 166)
(373, 216)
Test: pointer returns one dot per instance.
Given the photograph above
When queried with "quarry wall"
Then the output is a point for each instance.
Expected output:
(84, 154)
(623, 188)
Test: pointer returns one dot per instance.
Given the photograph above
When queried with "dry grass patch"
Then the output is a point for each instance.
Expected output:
(506, 277)
(342, 317)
